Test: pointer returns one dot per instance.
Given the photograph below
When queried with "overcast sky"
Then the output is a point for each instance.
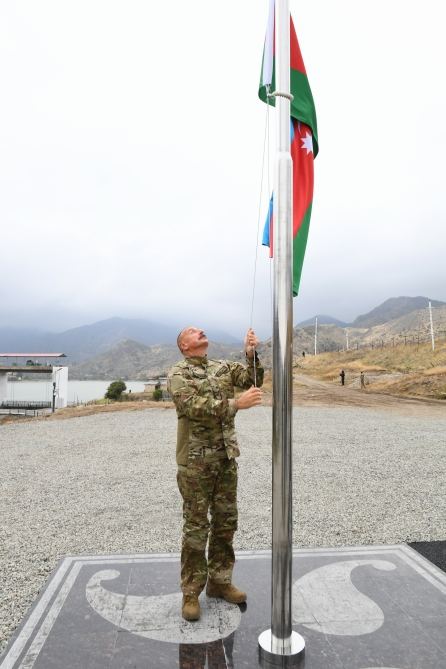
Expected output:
(131, 143)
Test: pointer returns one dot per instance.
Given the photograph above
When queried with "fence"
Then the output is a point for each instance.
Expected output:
(413, 337)
(23, 406)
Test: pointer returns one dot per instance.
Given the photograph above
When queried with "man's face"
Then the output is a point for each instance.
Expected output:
(193, 341)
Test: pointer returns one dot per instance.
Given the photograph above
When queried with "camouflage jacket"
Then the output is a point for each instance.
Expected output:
(203, 393)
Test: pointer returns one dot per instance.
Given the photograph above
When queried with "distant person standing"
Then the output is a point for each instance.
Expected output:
(342, 375)
(362, 381)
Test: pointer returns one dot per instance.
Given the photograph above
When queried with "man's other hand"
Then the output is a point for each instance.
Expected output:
(250, 398)
(251, 343)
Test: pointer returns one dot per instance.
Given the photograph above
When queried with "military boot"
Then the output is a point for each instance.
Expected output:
(190, 609)
(225, 591)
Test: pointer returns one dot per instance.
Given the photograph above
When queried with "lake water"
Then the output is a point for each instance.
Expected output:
(78, 391)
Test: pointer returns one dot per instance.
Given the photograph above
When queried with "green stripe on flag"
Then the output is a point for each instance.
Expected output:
(302, 107)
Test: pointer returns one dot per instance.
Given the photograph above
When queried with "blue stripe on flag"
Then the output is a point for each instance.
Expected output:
(266, 229)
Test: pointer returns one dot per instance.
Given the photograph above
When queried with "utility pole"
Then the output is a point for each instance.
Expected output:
(315, 336)
(346, 336)
(432, 325)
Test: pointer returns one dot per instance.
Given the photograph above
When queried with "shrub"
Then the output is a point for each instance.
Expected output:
(157, 394)
(115, 390)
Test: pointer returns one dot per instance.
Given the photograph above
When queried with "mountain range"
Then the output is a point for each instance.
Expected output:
(394, 307)
(138, 349)
(132, 360)
(88, 341)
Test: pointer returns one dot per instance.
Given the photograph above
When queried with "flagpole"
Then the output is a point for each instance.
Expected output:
(280, 645)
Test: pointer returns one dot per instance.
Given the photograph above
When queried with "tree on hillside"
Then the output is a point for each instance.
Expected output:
(115, 390)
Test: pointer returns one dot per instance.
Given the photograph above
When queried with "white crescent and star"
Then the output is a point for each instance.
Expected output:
(307, 143)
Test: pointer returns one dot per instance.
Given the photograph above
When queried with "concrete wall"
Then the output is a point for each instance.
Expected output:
(3, 386)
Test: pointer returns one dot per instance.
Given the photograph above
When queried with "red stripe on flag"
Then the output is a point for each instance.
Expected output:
(271, 236)
(303, 174)
(296, 60)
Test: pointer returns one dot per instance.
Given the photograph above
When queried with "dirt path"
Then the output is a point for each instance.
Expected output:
(312, 392)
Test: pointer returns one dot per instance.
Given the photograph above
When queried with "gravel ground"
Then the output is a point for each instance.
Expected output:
(106, 483)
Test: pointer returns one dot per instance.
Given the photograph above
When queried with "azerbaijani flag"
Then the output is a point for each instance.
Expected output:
(304, 144)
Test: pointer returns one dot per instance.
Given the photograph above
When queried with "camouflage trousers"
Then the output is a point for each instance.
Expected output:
(207, 486)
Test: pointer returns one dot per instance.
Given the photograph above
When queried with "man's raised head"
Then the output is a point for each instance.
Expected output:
(192, 342)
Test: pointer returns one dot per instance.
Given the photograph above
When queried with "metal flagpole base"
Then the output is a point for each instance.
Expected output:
(281, 652)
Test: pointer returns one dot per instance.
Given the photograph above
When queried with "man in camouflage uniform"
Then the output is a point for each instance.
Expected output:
(203, 392)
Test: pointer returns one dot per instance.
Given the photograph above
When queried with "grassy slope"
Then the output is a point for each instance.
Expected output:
(406, 370)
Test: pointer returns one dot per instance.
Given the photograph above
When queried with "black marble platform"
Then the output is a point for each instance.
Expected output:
(357, 608)
(434, 551)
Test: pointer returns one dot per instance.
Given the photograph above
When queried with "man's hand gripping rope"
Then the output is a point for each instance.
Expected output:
(253, 396)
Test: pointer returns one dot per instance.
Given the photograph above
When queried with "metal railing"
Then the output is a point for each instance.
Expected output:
(30, 405)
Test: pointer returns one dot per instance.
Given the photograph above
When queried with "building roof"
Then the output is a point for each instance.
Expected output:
(30, 369)
(32, 355)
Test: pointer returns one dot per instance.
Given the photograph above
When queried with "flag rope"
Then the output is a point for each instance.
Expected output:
(262, 174)
(268, 160)
(262, 178)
